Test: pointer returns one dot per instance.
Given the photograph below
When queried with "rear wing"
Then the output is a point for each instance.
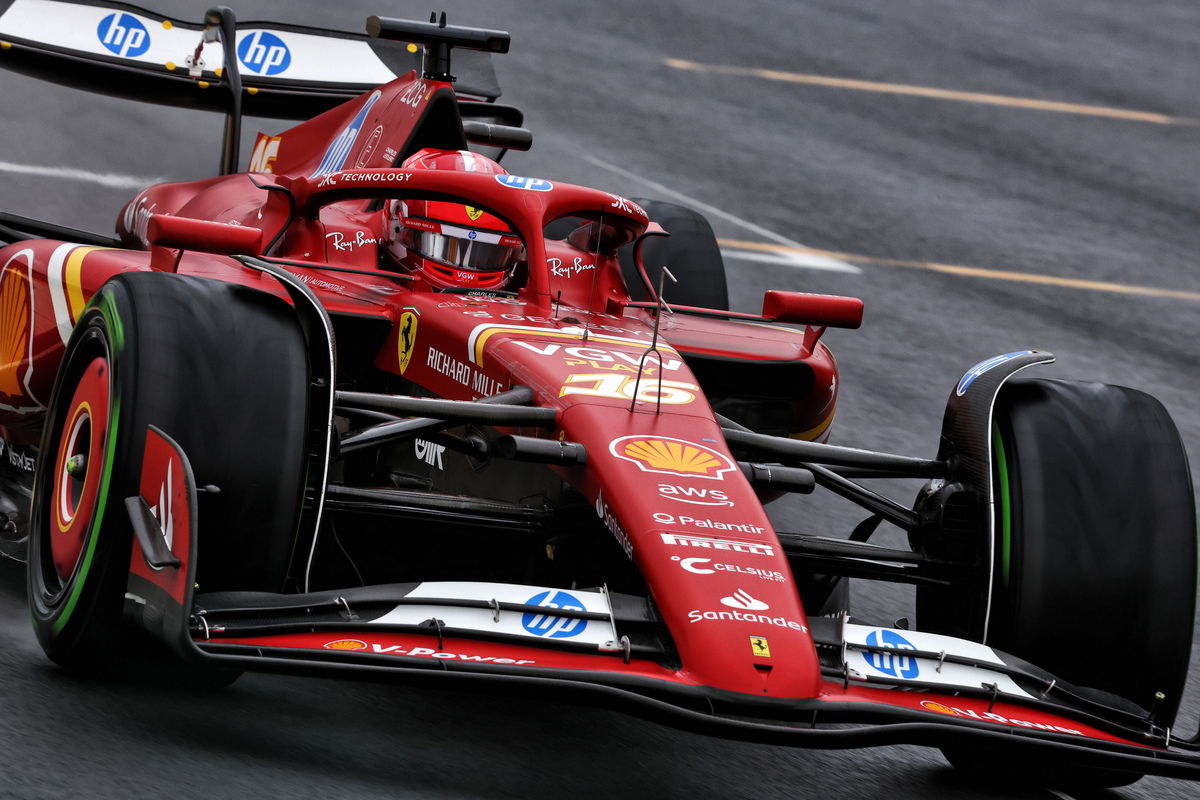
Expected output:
(286, 71)
(264, 69)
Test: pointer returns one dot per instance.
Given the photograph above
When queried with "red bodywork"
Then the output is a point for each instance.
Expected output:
(658, 471)
(660, 474)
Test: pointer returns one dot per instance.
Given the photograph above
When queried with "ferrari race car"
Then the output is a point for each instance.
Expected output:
(377, 407)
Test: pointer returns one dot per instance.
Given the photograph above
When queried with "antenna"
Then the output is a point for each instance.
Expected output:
(595, 273)
(653, 348)
(220, 25)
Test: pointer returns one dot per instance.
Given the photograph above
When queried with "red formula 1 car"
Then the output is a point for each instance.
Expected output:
(377, 406)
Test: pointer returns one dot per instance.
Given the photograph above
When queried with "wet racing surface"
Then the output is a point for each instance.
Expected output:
(987, 177)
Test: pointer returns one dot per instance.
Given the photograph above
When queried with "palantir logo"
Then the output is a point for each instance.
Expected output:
(264, 53)
(553, 626)
(124, 35)
(895, 666)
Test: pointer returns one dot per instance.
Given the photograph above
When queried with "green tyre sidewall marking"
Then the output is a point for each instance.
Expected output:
(115, 339)
(97, 520)
(1004, 505)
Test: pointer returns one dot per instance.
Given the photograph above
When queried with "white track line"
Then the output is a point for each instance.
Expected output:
(804, 260)
(109, 179)
(712, 211)
(1060, 795)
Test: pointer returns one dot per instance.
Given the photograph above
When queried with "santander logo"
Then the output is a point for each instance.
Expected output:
(742, 599)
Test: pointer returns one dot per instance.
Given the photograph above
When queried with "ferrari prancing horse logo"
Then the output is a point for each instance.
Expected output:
(473, 213)
(407, 338)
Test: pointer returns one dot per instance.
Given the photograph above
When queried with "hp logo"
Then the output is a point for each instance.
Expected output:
(553, 626)
(264, 53)
(895, 666)
(124, 35)
(520, 182)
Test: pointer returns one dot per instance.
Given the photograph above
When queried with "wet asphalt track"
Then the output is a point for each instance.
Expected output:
(995, 187)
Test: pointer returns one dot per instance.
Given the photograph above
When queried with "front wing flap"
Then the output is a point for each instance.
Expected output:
(881, 686)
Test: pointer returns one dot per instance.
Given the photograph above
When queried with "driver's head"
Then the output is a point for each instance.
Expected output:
(452, 245)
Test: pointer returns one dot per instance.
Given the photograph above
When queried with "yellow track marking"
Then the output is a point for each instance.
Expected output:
(975, 272)
(926, 91)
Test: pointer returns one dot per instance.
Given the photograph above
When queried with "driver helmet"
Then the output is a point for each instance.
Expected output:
(452, 245)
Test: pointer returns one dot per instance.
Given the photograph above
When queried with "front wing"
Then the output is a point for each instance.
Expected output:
(879, 685)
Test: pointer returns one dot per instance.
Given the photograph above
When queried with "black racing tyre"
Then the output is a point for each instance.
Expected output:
(219, 368)
(1095, 563)
(691, 253)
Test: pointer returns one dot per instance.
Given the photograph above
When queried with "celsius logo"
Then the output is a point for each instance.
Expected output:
(550, 625)
(706, 566)
(894, 665)
(742, 599)
(264, 53)
(124, 35)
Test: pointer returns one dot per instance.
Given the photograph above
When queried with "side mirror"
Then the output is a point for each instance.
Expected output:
(185, 233)
(823, 310)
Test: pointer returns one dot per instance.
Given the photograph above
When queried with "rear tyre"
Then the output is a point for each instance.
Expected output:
(691, 253)
(220, 369)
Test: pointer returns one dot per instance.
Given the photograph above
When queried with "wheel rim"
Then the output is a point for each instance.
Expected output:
(78, 468)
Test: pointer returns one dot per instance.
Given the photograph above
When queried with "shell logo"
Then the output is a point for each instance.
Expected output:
(671, 456)
(14, 331)
(929, 705)
(346, 644)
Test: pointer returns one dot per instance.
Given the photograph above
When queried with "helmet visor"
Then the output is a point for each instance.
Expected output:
(462, 248)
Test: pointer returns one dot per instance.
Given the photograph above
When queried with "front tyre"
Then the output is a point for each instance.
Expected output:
(219, 368)
(1095, 558)
(1095, 539)
(78, 558)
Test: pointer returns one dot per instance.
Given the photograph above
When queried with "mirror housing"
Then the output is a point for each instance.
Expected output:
(185, 233)
(822, 310)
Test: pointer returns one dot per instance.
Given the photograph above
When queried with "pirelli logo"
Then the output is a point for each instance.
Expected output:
(717, 544)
